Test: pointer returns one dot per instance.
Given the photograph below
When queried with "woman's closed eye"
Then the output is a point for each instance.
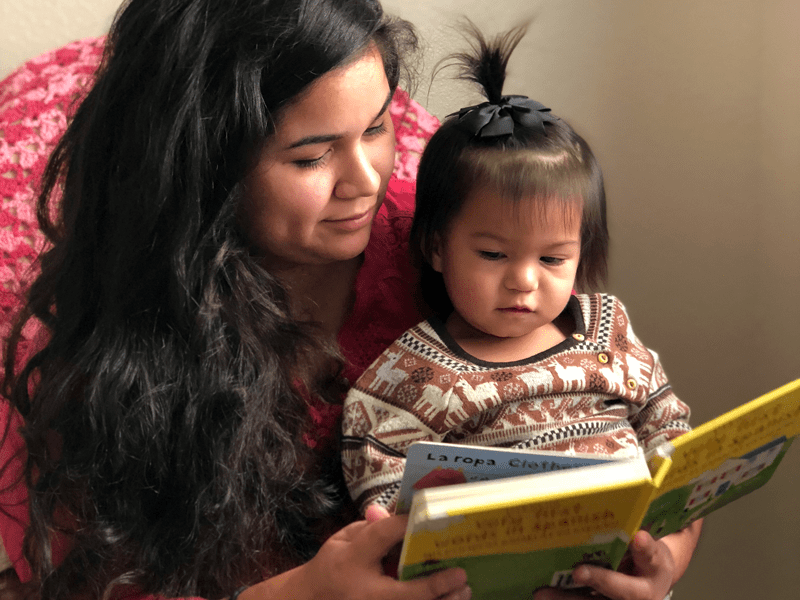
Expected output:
(319, 162)
(376, 130)
(312, 163)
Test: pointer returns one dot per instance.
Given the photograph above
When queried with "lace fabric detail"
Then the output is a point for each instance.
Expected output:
(413, 127)
(385, 302)
(36, 101)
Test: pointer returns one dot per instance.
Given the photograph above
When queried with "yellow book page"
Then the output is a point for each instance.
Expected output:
(734, 434)
(594, 517)
(659, 467)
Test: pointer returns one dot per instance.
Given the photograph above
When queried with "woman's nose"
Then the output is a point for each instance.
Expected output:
(360, 178)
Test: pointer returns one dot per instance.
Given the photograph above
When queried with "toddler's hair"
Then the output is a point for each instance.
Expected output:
(541, 162)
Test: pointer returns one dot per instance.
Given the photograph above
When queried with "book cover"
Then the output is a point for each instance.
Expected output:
(724, 459)
(518, 534)
(432, 464)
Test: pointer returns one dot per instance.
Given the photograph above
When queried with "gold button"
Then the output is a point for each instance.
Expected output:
(602, 357)
(632, 384)
(579, 336)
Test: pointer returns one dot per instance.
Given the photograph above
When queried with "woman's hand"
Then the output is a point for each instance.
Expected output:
(348, 567)
(648, 572)
(648, 575)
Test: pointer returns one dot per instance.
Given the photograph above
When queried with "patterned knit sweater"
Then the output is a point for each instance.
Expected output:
(599, 391)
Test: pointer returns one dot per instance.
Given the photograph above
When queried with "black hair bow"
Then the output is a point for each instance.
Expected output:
(492, 120)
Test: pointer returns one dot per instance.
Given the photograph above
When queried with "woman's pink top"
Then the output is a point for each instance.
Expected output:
(384, 303)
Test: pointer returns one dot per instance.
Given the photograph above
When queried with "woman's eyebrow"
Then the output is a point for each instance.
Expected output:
(386, 103)
(332, 137)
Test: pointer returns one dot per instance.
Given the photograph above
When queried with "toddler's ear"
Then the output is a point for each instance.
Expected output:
(436, 256)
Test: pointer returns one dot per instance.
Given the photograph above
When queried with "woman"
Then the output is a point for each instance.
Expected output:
(218, 231)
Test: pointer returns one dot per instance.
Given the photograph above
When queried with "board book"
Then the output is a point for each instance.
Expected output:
(517, 534)
(432, 464)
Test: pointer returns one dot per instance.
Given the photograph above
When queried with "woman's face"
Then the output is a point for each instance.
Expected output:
(320, 179)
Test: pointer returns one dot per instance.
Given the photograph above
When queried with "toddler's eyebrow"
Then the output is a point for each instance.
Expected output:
(501, 238)
(332, 137)
(566, 243)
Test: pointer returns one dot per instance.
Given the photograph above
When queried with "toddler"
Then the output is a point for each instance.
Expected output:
(510, 220)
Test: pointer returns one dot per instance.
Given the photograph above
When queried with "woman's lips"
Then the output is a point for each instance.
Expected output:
(352, 223)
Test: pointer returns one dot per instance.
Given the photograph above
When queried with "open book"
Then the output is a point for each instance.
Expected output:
(516, 534)
(433, 464)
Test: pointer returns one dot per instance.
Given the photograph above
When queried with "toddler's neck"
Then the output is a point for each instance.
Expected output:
(490, 348)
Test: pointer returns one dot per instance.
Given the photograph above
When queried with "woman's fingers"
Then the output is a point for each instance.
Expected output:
(385, 533)
(349, 566)
(375, 512)
(650, 576)
(444, 585)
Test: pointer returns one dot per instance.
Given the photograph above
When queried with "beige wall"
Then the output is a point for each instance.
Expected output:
(30, 27)
(692, 109)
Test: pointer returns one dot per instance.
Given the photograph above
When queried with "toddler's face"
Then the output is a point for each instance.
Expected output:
(509, 268)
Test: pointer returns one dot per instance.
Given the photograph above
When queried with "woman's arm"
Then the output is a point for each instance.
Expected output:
(348, 566)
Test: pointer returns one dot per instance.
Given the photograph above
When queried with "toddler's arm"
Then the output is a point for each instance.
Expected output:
(381, 418)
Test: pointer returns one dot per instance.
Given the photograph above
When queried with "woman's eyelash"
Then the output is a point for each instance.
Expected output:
(311, 163)
(314, 163)
(378, 129)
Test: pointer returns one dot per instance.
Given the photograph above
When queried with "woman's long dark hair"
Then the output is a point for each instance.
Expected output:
(163, 420)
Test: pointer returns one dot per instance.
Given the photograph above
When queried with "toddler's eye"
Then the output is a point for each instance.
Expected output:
(552, 260)
(488, 255)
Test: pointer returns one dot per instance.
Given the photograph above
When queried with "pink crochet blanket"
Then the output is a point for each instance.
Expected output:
(36, 101)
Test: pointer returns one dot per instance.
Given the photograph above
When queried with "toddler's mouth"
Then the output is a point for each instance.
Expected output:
(516, 309)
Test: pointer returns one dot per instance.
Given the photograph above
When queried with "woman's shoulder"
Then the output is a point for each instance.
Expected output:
(399, 200)
(387, 302)
(388, 244)
(13, 491)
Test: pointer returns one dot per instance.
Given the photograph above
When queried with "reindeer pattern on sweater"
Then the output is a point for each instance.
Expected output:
(599, 391)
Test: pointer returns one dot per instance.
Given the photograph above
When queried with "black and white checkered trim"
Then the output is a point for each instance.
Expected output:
(423, 340)
(605, 322)
(598, 324)
(412, 344)
(571, 432)
(388, 494)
